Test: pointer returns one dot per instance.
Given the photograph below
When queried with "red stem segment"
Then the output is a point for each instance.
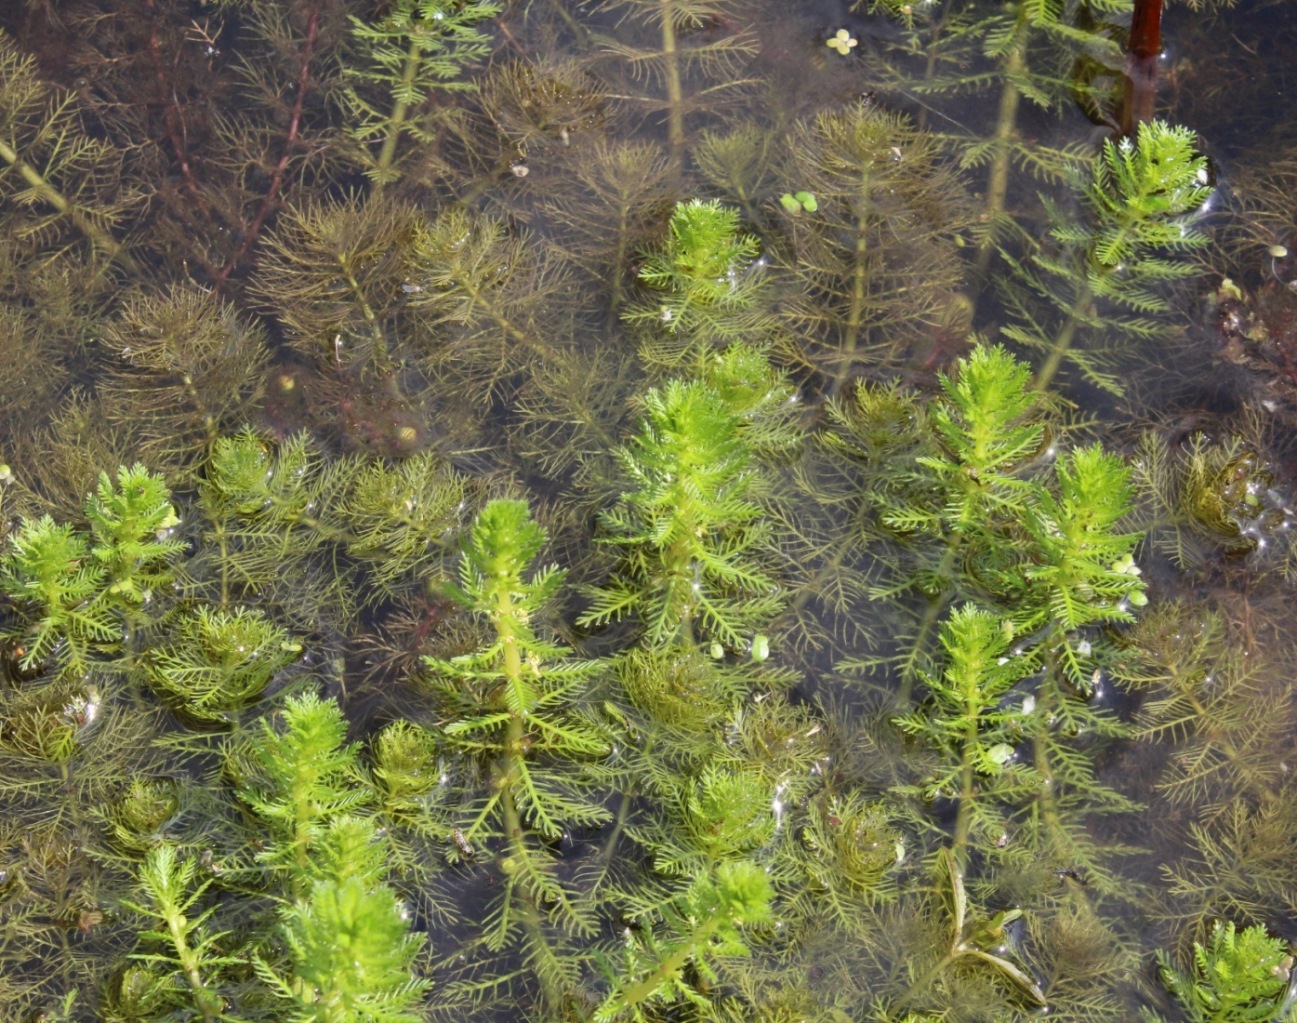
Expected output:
(1141, 64)
(269, 201)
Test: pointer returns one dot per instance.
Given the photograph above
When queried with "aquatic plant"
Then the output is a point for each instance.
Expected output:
(170, 891)
(181, 370)
(55, 166)
(418, 47)
(490, 293)
(515, 706)
(625, 187)
(349, 937)
(334, 271)
(297, 780)
(1025, 51)
(77, 593)
(977, 941)
(690, 531)
(1208, 692)
(1238, 975)
(1110, 271)
(852, 851)
(966, 721)
(876, 263)
(1213, 497)
(699, 926)
(341, 949)
(131, 526)
(337, 682)
(704, 285)
(684, 70)
(212, 663)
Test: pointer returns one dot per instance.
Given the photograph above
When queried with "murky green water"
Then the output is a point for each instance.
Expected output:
(855, 702)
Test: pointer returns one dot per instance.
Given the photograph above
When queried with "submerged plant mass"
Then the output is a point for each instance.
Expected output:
(611, 512)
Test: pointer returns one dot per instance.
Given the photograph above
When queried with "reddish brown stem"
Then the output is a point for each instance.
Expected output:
(270, 199)
(1142, 54)
(171, 115)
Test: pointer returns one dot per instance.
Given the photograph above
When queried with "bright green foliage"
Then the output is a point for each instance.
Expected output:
(522, 686)
(268, 510)
(216, 662)
(1142, 196)
(76, 592)
(1238, 977)
(171, 890)
(706, 282)
(962, 483)
(692, 533)
(418, 47)
(131, 526)
(1040, 551)
(249, 477)
(405, 765)
(352, 951)
(1111, 267)
(701, 925)
(1044, 547)
(297, 778)
(1087, 573)
(969, 720)
(966, 717)
(58, 586)
(351, 846)
(515, 705)
(349, 950)
(261, 506)
(987, 433)
(349, 938)
(704, 247)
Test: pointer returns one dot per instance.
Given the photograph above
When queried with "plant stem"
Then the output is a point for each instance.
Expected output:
(371, 318)
(100, 239)
(675, 92)
(997, 185)
(1063, 340)
(859, 292)
(931, 615)
(205, 999)
(396, 119)
(271, 199)
(506, 618)
(967, 779)
(669, 966)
